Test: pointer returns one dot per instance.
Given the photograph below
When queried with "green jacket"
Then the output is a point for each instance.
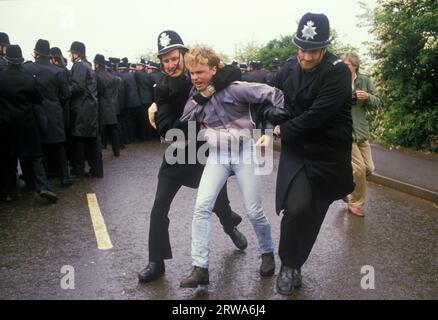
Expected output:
(361, 129)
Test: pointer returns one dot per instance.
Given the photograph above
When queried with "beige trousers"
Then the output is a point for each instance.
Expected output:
(363, 166)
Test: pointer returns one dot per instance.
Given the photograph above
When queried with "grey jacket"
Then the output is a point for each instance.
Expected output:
(227, 115)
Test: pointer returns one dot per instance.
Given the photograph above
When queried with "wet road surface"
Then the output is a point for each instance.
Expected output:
(398, 238)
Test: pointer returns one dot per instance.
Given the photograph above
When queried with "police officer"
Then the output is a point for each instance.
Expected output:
(107, 86)
(19, 136)
(4, 43)
(53, 86)
(57, 59)
(145, 91)
(154, 70)
(171, 94)
(141, 65)
(134, 110)
(243, 68)
(84, 114)
(275, 69)
(255, 74)
(315, 161)
(125, 135)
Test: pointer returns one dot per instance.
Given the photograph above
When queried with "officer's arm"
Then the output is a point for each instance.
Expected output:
(64, 90)
(165, 118)
(78, 77)
(333, 94)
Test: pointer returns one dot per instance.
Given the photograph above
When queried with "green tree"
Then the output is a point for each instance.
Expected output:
(247, 52)
(407, 72)
(283, 48)
(339, 47)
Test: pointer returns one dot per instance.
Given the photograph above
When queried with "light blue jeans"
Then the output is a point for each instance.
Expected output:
(220, 164)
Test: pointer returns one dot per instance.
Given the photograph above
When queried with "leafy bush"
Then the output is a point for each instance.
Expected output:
(407, 73)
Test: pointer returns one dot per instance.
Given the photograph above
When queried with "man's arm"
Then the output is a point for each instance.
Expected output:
(373, 98)
(257, 93)
(226, 76)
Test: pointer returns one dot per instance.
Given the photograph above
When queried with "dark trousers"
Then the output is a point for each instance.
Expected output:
(8, 175)
(8, 162)
(69, 149)
(56, 152)
(159, 243)
(303, 215)
(123, 128)
(87, 149)
(110, 133)
(139, 123)
(34, 173)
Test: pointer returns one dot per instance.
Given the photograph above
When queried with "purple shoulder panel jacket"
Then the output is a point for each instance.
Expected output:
(227, 114)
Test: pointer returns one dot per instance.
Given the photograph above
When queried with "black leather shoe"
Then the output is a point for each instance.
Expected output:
(66, 182)
(48, 195)
(238, 238)
(153, 270)
(288, 279)
(7, 198)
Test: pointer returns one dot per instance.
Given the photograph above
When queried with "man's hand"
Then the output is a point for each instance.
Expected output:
(151, 114)
(362, 95)
(264, 141)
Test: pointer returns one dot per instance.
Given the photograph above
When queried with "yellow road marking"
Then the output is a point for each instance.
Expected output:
(102, 236)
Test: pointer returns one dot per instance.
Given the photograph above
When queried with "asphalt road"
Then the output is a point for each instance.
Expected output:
(397, 238)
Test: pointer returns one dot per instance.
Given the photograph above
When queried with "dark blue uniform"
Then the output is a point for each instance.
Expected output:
(315, 162)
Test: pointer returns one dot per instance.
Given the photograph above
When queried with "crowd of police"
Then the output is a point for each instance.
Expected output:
(54, 120)
(72, 114)
(254, 71)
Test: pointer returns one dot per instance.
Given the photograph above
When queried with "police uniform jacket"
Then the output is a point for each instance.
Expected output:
(258, 76)
(66, 103)
(2, 63)
(18, 128)
(270, 77)
(145, 88)
(131, 90)
(121, 100)
(83, 103)
(156, 77)
(53, 86)
(318, 138)
(107, 86)
(171, 95)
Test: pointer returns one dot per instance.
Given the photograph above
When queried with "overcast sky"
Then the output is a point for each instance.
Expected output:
(130, 27)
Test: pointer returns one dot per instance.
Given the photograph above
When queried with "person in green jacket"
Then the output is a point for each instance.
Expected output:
(365, 97)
